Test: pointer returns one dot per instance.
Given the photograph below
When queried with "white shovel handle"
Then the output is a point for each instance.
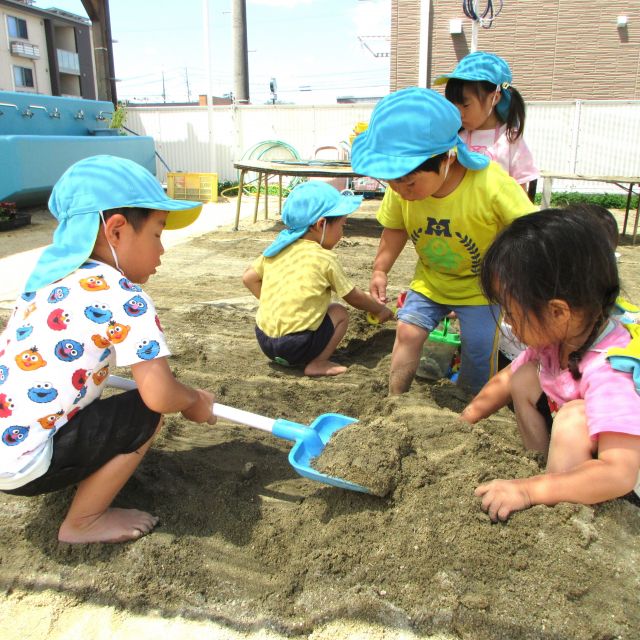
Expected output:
(220, 410)
(243, 417)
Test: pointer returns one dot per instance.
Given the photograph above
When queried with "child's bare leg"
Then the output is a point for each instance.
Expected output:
(321, 365)
(570, 444)
(405, 357)
(525, 393)
(90, 518)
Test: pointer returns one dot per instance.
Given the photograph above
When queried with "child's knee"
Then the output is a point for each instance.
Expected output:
(570, 425)
(410, 335)
(338, 313)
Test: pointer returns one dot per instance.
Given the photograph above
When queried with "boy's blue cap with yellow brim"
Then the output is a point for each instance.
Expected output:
(483, 66)
(304, 206)
(85, 189)
(407, 128)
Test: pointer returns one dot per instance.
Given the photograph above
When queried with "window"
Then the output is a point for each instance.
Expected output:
(17, 27)
(23, 77)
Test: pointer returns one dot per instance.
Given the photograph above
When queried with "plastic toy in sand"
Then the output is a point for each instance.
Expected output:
(371, 319)
(440, 355)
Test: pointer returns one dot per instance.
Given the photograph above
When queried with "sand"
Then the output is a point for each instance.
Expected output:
(247, 548)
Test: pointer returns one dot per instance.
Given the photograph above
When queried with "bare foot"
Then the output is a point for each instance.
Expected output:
(323, 368)
(114, 525)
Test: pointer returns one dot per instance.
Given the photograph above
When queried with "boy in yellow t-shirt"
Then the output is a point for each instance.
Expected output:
(296, 323)
(451, 203)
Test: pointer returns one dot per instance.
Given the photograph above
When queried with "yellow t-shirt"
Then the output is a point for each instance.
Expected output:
(296, 288)
(452, 234)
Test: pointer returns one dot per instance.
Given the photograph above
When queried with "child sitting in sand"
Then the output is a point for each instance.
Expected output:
(555, 275)
(623, 310)
(296, 323)
(82, 313)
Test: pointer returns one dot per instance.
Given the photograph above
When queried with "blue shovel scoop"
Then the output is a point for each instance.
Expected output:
(309, 441)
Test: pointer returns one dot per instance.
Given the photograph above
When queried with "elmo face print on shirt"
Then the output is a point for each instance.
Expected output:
(6, 406)
(58, 320)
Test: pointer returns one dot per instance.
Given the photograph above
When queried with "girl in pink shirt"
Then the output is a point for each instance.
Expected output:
(555, 276)
(492, 112)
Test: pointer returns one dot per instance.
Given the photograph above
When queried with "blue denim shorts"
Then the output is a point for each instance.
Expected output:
(479, 334)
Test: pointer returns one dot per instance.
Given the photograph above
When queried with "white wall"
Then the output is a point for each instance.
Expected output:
(585, 137)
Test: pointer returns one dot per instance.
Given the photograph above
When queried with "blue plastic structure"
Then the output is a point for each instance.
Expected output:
(42, 136)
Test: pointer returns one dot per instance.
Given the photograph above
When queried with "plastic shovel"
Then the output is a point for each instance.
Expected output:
(309, 441)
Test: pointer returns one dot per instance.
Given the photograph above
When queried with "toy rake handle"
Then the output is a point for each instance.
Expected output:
(221, 410)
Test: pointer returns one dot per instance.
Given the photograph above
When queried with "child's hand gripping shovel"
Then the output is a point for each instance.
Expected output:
(310, 440)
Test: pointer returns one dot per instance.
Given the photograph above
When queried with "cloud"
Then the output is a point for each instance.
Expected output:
(372, 18)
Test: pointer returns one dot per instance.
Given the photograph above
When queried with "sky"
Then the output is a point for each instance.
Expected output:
(316, 50)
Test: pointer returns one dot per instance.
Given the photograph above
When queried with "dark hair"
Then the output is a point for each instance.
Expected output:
(481, 89)
(602, 216)
(554, 254)
(135, 216)
(432, 164)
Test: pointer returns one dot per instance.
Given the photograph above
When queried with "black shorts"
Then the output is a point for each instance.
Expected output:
(297, 348)
(104, 429)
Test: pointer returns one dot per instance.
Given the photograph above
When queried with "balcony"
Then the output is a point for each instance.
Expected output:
(68, 62)
(25, 49)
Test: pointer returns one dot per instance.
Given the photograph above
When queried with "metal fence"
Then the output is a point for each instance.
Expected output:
(587, 137)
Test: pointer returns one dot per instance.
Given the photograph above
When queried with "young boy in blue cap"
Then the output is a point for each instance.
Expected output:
(296, 323)
(451, 203)
(82, 313)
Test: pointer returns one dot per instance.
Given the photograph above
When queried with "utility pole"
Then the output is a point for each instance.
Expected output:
(240, 52)
(186, 74)
(164, 94)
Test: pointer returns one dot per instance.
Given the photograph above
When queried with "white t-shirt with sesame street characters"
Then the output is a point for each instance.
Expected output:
(55, 355)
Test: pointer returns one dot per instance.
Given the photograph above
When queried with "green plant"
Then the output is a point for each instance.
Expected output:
(8, 210)
(119, 116)
(607, 200)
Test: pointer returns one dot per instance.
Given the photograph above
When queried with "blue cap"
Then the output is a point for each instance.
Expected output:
(305, 205)
(85, 189)
(406, 128)
(488, 67)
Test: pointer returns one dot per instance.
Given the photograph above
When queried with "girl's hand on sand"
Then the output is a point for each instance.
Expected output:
(500, 498)
(378, 286)
(202, 409)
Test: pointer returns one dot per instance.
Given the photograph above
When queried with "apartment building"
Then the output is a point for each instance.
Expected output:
(45, 51)
(557, 49)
